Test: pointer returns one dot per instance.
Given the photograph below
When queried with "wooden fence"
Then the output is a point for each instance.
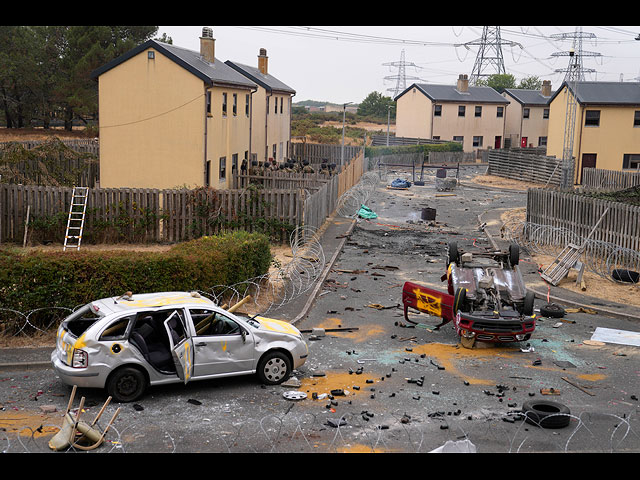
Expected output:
(579, 214)
(147, 215)
(597, 179)
(526, 167)
(317, 152)
(321, 204)
(282, 180)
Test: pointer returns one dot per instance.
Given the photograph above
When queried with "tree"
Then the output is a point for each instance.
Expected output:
(376, 105)
(499, 82)
(531, 83)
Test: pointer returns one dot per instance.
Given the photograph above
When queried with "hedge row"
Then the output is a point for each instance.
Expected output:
(69, 279)
(400, 149)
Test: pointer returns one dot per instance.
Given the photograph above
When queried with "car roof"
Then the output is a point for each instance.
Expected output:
(151, 300)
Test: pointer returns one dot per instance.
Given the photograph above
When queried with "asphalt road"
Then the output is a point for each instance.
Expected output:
(396, 387)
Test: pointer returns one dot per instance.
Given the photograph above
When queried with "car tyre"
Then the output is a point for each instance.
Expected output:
(552, 310)
(452, 254)
(126, 384)
(514, 254)
(546, 414)
(274, 368)
(459, 300)
(527, 307)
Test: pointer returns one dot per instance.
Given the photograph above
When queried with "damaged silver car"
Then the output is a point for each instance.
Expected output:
(129, 343)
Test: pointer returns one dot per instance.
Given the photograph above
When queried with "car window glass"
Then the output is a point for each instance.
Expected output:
(215, 324)
(117, 329)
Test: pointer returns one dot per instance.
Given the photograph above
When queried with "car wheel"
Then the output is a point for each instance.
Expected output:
(126, 384)
(527, 307)
(514, 254)
(452, 254)
(459, 300)
(274, 368)
(546, 414)
(552, 310)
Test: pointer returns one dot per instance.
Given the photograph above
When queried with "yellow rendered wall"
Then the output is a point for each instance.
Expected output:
(488, 126)
(413, 115)
(151, 133)
(227, 134)
(278, 125)
(614, 137)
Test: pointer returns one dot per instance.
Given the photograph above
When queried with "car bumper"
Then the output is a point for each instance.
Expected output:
(495, 329)
(81, 377)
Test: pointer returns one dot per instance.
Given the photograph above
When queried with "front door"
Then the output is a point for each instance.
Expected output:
(222, 345)
(523, 142)
(588, 161)
(498, 142)
(181, 345)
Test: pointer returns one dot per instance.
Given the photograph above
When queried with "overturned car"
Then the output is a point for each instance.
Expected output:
(128, 343)
(487, 299)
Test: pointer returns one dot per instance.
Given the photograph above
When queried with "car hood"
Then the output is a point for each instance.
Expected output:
(277, 326)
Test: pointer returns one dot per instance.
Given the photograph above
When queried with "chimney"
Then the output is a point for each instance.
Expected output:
(263, 61)
(546, 88)
(463, 83)
(207, 45)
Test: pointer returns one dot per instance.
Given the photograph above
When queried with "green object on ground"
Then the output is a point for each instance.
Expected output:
(366, 212)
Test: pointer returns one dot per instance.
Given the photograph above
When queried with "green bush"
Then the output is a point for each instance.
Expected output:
(400, 149)
(69, 279)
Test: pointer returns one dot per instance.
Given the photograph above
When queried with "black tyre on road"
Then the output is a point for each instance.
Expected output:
(546, 414)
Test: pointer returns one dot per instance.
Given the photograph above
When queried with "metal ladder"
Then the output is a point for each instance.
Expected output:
(75, 223)
(568, 258)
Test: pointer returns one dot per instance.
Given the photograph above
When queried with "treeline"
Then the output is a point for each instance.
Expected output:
(45, 70)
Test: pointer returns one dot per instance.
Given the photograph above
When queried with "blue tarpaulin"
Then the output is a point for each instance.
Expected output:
(400, 183)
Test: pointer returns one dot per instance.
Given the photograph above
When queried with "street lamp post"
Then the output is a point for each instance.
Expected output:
(344, 113)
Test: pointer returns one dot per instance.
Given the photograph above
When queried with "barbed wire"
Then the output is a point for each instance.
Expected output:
(605, 259)
(504, 432)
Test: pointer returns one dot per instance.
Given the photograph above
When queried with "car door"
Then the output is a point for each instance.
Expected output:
(222, 345)
(181, 344)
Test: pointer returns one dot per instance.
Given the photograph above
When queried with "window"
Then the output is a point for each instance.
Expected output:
(500, 112)
(437, 111)
(224, 104)
(117, 329)
(477, 141)
(545, 113)
(223, 168)
(208, 102)
(208, 322)
(525, 113)
(592, 118)
(636, 118)
(207, 174)
(275, 105)
(281, 100)
(151, 55)
(436, 137)
(268, 105)
(631, 161)
(478, 111)
(235, 104)
(542, 141)
(458, 139)
(275, 150)
(234, 163)
(246, 105)
(461, 110)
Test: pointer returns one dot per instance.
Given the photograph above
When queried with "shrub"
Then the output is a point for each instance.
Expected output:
(69, 279)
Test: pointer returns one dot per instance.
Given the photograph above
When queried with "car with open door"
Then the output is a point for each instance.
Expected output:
(128, 343)
(486, 297)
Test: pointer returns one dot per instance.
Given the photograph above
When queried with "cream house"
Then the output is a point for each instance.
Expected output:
(606, 129)
(527, 116)
(271, 116)
(172, 117)
(474, 116)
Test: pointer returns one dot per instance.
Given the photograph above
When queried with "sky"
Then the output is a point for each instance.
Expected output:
(341, 64)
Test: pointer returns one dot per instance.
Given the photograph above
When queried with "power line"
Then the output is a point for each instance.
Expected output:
(401, 78)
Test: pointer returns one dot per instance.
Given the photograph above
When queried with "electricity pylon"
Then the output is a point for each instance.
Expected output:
(576, 70)
(401, 78)
(489, 53)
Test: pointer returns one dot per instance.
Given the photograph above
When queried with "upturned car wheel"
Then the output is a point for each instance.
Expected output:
(274, 368)
(552, 310)
(546, 414)
(126, 384)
